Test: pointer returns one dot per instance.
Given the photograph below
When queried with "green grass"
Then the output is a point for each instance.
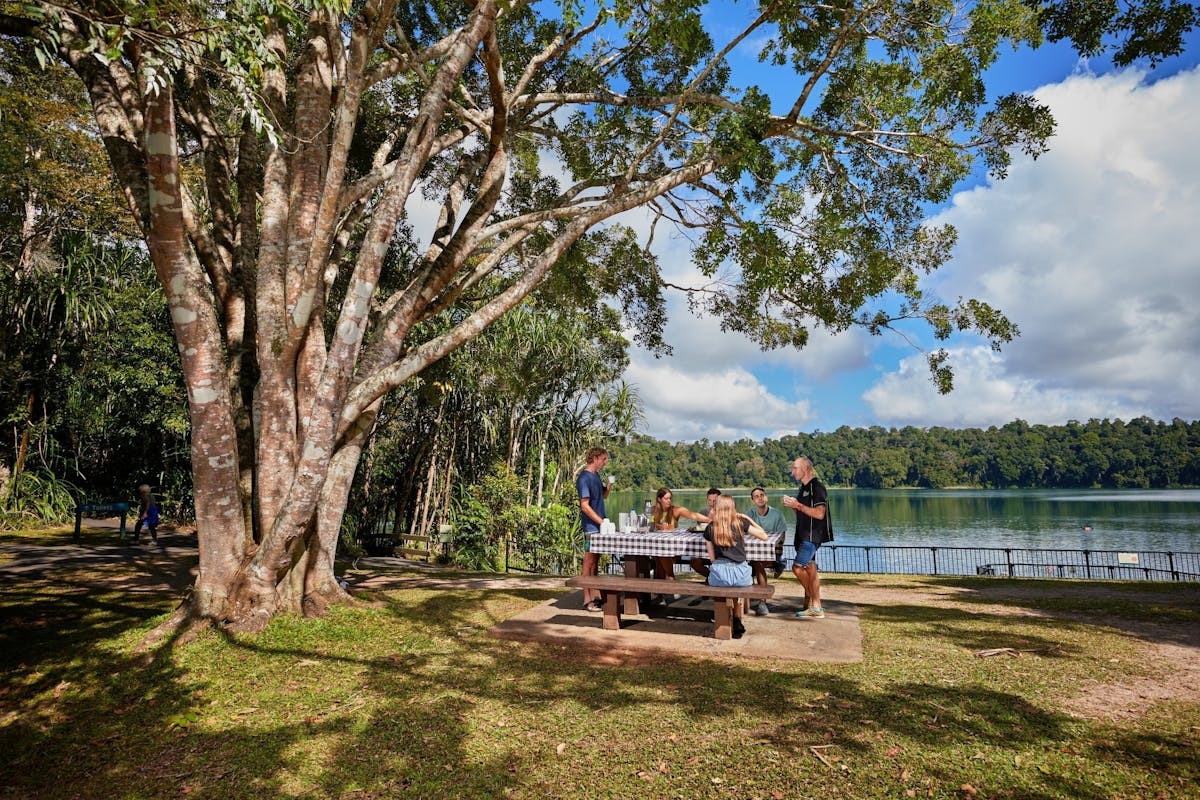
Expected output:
(406, 696)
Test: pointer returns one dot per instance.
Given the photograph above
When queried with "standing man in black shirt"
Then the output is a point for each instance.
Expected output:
(811, 505)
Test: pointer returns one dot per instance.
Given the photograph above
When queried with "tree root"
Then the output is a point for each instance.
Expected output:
(181, 628)
(186, 623)
(329, 594)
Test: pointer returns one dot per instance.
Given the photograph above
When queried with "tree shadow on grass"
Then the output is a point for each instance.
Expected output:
(1164, 613)
(424, 704)
(979, 631)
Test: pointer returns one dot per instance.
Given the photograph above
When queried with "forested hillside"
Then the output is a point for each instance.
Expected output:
(1141, 453)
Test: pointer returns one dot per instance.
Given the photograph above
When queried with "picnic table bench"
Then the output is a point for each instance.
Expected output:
(612, 586)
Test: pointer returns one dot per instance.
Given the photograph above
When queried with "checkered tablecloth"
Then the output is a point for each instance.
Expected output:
(679, 543)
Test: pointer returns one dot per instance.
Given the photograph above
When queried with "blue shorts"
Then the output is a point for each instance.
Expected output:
(807, 554)
(730, 573)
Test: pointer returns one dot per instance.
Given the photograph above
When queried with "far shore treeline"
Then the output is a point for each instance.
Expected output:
(1141, 453)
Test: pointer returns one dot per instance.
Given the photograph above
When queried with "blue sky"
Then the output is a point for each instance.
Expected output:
(1093, 250)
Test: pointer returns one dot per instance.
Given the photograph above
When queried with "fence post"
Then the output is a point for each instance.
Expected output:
(934, 549)
(868, 552)
(1171, 564)
(1008, 558)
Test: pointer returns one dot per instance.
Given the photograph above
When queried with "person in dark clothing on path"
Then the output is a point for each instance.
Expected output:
(147, 514)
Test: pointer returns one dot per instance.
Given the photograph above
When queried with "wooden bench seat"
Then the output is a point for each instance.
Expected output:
(612, 586)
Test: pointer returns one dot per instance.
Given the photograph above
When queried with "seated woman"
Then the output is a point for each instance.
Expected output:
(665, 517)
(726, 538)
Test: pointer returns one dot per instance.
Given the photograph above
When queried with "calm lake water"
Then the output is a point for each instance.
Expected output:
(1163, 520)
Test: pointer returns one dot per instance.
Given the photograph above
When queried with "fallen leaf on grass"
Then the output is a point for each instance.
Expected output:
(969, 790)
(893, 751)
(646, 776)
(562, 748)
(776, 794)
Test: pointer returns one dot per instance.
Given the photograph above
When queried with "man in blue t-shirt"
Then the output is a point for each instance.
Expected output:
(592, 492)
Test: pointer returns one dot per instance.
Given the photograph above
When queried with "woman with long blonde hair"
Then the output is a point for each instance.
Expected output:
(726, 539)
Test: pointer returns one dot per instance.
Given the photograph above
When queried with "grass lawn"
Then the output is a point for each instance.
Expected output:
(404, 695)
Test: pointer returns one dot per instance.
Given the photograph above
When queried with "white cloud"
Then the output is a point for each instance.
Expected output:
(985, 394)
(718, 403)
(1092, 251)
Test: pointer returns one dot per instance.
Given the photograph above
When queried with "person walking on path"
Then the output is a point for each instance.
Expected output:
(726, 540)
(772, 522)
(147, 514)
(813, 529)
(592, 492)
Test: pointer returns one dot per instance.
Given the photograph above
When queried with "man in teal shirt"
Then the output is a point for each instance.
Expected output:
(772, 522)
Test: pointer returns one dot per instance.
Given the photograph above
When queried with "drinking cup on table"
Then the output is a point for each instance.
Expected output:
(623, 517)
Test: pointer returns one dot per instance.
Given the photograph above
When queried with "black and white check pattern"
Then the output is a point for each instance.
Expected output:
(679, 543)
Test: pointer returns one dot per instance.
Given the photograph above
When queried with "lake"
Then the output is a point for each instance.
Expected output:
(1144, 520)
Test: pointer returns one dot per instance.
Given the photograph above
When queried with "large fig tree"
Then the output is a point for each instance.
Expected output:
(278, 160)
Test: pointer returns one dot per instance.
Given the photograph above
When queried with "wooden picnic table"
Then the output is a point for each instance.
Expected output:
(637, 548)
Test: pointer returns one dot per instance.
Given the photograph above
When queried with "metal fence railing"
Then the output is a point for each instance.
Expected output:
(993, 561)
(1010, 562)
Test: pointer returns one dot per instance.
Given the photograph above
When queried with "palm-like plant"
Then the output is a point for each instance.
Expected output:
(64, 298)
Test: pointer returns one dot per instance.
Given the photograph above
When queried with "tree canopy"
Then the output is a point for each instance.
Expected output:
(336, 196)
